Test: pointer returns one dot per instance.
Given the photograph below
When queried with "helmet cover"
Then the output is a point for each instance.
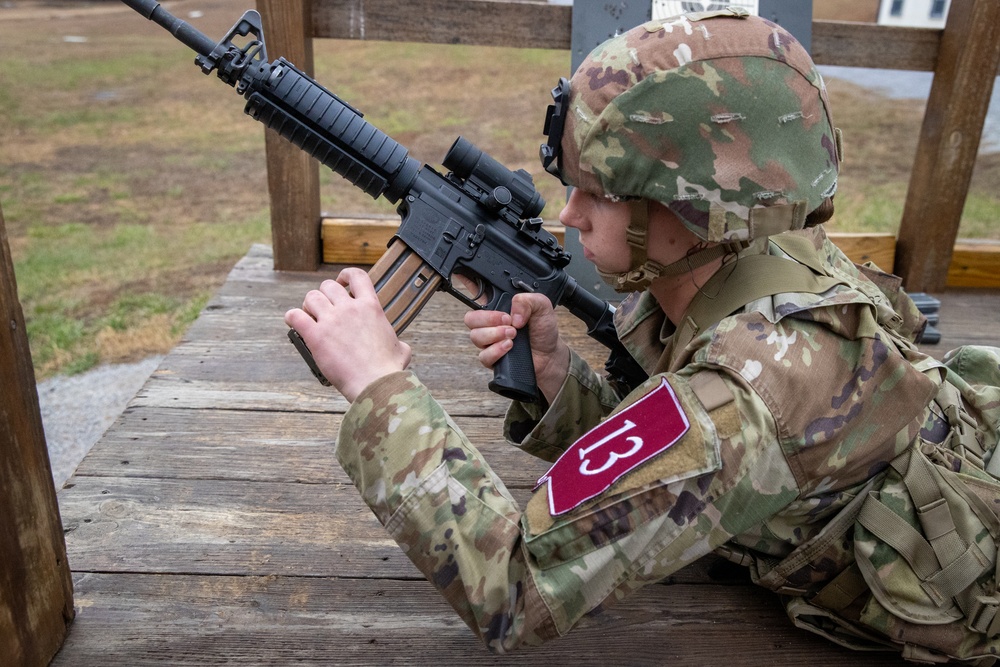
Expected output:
(720, 116)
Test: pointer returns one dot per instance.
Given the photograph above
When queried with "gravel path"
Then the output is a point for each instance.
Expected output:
(78, 409)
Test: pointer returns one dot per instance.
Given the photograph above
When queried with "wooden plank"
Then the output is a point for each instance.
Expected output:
(864, 247)
(292, 174)
(870, 45)
(357, 240)
(176, 443)
(362, 240)
(949, 142)
(36, 595)
(119, 524)
(549, 26)
(484, 22)
(296, 448)
(975, 265)
(191, 620)
(967, 317)
(288, 386)
(270, 375)
(228, 527)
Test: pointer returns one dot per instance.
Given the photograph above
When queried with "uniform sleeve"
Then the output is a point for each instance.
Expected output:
(584, 399)
(524, 577)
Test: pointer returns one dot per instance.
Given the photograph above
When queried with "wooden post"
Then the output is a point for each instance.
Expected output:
(949, 141)
(36, 590)
(292, 176)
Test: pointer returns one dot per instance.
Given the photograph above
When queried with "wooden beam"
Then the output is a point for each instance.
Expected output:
(36, 590)
(362, 240)
(871, 45)
(949, 142)
(484, 22)
(975, 264)
(357, 240)
(292, 175)
(525, 24)
(879, 249)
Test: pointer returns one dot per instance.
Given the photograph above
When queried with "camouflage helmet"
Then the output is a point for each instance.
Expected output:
(720, 116)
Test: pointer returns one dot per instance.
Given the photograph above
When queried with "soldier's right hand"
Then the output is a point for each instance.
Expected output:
(493, 332)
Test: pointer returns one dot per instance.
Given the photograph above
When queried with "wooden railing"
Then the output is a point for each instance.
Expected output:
(964, 57)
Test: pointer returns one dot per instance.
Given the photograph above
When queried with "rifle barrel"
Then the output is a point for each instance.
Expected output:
(182, 30)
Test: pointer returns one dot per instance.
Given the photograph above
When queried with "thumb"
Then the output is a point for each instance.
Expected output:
(526, 305)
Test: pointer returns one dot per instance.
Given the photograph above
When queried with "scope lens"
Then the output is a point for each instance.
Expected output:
(462, 157)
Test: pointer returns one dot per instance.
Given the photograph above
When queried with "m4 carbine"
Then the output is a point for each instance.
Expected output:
(478, 222)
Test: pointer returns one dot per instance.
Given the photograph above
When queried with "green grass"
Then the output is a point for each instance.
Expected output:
(869, 208)
(981, 216)
(67, 71)
(878, 207)
(76, 281)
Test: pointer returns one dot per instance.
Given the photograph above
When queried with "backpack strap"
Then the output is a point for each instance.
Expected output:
(800, 248)
(947, 566)
(781, 574)
(743, 280)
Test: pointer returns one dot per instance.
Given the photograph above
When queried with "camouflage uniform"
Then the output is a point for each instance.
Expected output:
(801, 407)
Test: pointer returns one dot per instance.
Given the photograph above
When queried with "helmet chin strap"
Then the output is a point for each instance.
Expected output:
(644, 270)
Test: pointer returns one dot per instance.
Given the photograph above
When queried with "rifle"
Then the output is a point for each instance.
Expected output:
(478, 221)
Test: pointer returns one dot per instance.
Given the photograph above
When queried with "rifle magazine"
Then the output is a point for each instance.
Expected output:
(404, 283)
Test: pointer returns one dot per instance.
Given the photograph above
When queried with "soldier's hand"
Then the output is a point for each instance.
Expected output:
(349, 336)
(493, 332)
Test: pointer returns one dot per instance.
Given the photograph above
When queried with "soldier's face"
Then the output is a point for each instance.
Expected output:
(602, 224)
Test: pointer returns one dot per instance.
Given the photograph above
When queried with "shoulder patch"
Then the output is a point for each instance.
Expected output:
(620, 444)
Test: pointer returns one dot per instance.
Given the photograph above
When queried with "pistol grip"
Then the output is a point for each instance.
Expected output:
(514, 373)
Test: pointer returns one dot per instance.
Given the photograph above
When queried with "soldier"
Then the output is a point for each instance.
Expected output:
(789, 421)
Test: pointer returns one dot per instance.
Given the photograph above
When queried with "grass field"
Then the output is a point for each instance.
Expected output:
(130, 183)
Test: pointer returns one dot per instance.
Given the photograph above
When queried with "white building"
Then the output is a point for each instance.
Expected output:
(913, 13)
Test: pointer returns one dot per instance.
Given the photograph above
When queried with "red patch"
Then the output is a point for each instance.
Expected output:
(615, 447)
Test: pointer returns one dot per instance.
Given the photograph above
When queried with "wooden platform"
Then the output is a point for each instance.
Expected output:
(213, 525)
